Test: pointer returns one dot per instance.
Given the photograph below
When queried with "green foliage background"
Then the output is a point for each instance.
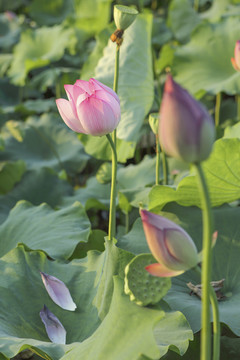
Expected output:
(55, 184)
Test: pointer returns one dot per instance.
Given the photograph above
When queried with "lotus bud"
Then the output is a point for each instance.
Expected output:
(58, 292)
(54, 328)
(171, 246)
(153, 122)
(92, 108)
(186, 130)
(236, 60)
(124, 16)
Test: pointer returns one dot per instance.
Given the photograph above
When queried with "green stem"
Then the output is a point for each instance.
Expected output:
(116, 69)
(238, 106)
(112, 215)
(216, 325)
(217, 109)
(216, 322)
(206, 264)
(112, 220)
(165, 168)
(157, 160)
(126, 223)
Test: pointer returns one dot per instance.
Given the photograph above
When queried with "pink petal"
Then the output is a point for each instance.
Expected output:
(110, 100)
(54, 328)
(66, 111)
(58, 292)
(99, 86)
(97, 117)
(234, 64)
(84, 85)
(69, 91)
(161, 271)
(158, 221)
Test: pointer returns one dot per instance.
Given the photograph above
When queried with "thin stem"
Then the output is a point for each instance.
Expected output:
(206, 264)
(238, 106)
(126, 223)
(157, 160)
(165, 167)
(116, 69)
(216, 325)
(112, 220)
(217, 109)
(216, 322)
(112, 215)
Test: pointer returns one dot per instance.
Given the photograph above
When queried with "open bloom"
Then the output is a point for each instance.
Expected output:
(58, 292)
(171, 246)
(236, 60)
(92, 108)
(186, 130)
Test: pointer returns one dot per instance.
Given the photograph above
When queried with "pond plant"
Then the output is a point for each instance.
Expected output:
(120, 203)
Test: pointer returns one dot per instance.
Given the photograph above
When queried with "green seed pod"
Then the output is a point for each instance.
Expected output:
(124, 16)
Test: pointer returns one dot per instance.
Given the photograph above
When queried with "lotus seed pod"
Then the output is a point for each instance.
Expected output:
(124, 16)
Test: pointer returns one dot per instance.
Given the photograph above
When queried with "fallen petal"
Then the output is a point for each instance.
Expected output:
(58, 292)
(54, 329)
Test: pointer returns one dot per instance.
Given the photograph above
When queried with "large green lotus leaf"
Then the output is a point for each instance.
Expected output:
(182, 19)
(96, 241)
(137, 176)
(134, 341)
(221, 9)
(9, 30)
(232, 131)
(10, 174)
(229, 347)
(131, 181)
(161, 34)
(36, 186)
(105, 324)
(135, 240)
(38, 48)
(5, 62)
(135, 87)
(44, 142)
(37, 106)
(225, 262)
(222, 175)
(99, 147)
(40, 227)
(49, 13)
(205, 62)
(93, 195)
(92, 16)
(101, 39)
(9, 94)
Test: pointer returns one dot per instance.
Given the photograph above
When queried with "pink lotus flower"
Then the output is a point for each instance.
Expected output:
(171, 246)
(92, 108)
(186, 130)
(236, 60)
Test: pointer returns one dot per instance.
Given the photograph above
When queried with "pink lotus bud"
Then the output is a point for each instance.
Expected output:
(54, 328)
(58, 292)
(92, 108)
(236, 60)
(186, 130)
(171, 246)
